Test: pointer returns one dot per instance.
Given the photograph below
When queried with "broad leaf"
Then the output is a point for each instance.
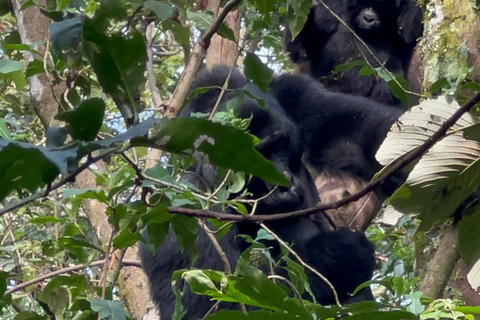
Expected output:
(85, 121)
(474, 276)
(26, 167)
(162, 10)
(204, 20)
(223, 146)
(299, 16)
(108, 309)
(468, 238)
(9, 66)
(119, 64)
(258, 72)
(445, 176)
(415, 126)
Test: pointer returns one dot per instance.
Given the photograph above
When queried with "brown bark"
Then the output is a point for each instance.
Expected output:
(132, 282)
(223, 51)
(441, 266)
(461, 284)
(33, 26)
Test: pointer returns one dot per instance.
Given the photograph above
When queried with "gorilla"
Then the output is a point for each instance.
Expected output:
(389, 28)
(344, 257)
(343, 133)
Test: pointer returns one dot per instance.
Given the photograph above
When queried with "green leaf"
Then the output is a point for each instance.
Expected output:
(24, 166)
(223, 146)
(468, 237)
(181, 33)
(396, 89)
(162, 10)
(95, 194)
(119, 64)
(56, 137)
(468, 309)
(252, 315)
(301, 10)
(204, 20)
(258, 72)
(21, 47)
(126, 238)
(85, 121)
(76, 281)
(27, 4)
(112, 9)
(438, 85)
(9, 66)
(33, 68)
(46, 219)
(67, 33)
(5, 7)
(157, 234)
(111, 310)
(186, 232)
(4, 133)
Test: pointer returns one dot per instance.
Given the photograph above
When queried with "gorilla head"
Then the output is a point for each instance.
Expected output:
(389, 28)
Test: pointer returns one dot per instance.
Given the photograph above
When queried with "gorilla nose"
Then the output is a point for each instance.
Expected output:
(369, 16)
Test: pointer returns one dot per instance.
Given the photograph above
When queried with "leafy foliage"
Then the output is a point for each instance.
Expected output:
(98, 59)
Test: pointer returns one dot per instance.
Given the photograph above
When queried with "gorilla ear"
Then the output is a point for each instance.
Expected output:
(409, 22)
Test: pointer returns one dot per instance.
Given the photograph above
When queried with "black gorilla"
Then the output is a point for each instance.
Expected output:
(342, 132)
(344, 257)
(390, 28)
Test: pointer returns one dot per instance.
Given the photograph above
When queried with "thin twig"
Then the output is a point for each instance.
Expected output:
(152, 81)
(225, 179)
(303, 263)
(290, 285)
(195, 61)
(398, 165)
(216, 245)
(125, 262)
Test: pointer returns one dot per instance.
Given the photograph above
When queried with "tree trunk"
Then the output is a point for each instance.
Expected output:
(33, 26)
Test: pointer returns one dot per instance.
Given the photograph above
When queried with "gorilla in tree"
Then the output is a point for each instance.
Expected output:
(389, 28)
(345, 258)
(342, 132)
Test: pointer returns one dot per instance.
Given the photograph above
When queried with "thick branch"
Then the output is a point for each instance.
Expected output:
(441, 266)
(195, 62)
(394, 167)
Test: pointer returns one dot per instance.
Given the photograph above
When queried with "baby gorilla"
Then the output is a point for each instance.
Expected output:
(332, 253)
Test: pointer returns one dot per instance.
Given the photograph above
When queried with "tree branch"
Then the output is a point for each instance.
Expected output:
(397, 165)
(21, 286)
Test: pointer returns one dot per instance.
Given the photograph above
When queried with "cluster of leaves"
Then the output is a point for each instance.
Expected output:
(98, 52)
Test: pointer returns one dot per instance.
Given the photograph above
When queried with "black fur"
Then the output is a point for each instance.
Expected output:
(346, 259)
(342, 132)
(389, 28)
(330, 252)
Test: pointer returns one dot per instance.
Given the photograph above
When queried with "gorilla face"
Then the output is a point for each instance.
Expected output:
(390, 28)
(371, 18)
(368, 19)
